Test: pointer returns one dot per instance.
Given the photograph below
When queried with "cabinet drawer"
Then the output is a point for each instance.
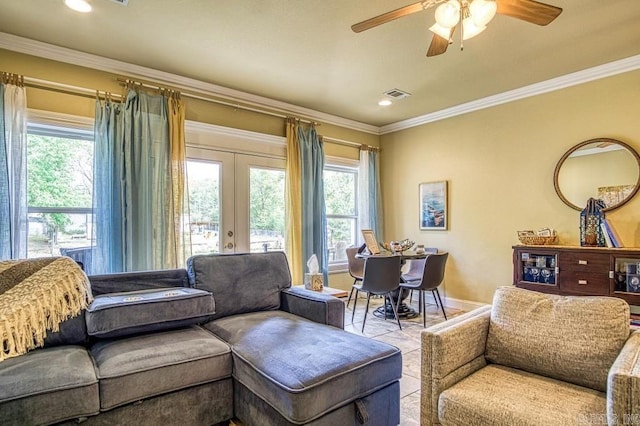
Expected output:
(586, 262)
(578, 282)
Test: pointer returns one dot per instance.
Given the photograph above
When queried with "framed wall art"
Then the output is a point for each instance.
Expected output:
(433, 206)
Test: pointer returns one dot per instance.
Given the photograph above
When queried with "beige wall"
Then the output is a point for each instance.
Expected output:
(499, 163)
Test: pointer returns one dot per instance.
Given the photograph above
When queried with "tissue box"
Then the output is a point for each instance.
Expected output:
(314, 282)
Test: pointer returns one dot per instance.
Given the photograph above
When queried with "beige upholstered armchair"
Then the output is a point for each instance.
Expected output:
(533, 359)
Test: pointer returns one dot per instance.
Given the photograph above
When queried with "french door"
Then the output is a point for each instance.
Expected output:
(236, 202)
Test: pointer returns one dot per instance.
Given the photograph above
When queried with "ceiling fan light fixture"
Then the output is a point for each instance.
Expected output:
(448, 14)
(443, 32)
(82, 6)
(470, 29)
(482, 11)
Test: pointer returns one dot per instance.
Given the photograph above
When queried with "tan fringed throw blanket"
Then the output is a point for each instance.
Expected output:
(36, 295)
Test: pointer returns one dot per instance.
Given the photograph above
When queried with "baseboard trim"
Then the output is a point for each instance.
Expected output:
(452, 302)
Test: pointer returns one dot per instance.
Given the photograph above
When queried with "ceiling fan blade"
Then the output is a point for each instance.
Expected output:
(389, 16)
(529, 10)
(438, 46)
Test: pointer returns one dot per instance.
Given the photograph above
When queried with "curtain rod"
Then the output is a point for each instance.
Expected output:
(237, 105)
(84, 92)
(66, 89)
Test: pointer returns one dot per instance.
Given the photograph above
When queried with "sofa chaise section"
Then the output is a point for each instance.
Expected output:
(293, 363)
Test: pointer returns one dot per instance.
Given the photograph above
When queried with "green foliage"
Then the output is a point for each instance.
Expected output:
(340, 199)
(60, 174)
(204, 201)
(267, 200)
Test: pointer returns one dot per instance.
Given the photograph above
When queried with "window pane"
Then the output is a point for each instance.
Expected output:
(340, 192)
(204, 206)
(51, 234)
(341, 233)
(59, 172)
(266, 209)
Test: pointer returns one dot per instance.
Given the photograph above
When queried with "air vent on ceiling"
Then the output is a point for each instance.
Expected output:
(397, 94)
(122, 2)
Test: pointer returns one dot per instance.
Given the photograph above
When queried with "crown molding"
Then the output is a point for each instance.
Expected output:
(246, 135)
(61, 54)
(601, 71)
(87, 60)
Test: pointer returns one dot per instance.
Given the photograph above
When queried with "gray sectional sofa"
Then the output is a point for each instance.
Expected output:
(226, 337)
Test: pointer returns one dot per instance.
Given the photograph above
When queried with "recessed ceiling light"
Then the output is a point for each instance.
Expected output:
(385, 102)
(78, 5)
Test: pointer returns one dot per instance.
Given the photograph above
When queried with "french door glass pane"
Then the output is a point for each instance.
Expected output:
(204, 206)
(266, 209)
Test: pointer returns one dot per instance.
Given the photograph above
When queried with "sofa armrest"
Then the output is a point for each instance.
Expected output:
(318, 307)
(451, 351)
(623, 384)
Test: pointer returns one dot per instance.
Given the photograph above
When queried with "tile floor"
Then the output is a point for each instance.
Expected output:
(407, 340)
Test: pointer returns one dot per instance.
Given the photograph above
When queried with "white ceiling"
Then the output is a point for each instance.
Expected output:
(303, 52)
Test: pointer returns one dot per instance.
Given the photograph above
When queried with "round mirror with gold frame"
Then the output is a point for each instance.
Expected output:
(602, 168)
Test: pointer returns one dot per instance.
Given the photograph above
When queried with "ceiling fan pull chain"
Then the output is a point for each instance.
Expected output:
(462, 8)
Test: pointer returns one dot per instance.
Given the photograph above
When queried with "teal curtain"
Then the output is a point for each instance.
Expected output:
(108, 254)
(13, 169)
(370, 206)
(146, 175)
(314, 220)
(133, 174)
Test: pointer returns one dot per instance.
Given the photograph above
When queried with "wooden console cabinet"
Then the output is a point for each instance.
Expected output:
(574, 270)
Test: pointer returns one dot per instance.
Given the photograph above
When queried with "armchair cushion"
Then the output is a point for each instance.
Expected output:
(502, 396)
(241, 283)
(544, 333)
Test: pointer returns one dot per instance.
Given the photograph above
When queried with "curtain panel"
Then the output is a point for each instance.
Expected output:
(314, 220)
(370, 206)
(108, 253)
(293, 190)
(13, 168)
(140, 183)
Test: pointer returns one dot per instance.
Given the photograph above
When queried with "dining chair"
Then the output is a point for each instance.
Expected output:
(432, 277)
(381, 276)
(414, 273)
(356, 270)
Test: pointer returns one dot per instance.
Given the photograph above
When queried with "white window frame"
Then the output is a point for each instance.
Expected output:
(47, 123)
(352, 166)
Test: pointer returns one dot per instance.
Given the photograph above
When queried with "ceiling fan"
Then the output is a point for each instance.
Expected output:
(473, 14)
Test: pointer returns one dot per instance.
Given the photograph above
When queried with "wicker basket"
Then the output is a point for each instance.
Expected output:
(535, 240)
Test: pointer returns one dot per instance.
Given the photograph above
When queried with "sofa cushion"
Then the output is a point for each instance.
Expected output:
(133, 281)
(502, 396)
(304, 369)
(542, 333)
(47, 386)
(122, 314)
(245, 282)
(138, 367)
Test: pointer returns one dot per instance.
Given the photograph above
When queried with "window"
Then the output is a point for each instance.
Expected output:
(59, 191)
(341, 200)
